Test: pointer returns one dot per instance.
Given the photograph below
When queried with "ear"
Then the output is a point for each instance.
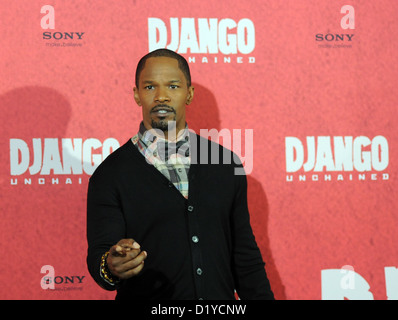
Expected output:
(190, 95)
(136, 96)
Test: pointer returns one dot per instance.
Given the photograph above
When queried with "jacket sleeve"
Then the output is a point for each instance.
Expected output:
(105, 222)
(250, 276)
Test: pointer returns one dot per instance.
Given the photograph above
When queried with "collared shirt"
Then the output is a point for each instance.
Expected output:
(172, 159)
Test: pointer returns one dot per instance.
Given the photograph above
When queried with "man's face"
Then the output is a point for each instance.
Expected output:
(163, 94)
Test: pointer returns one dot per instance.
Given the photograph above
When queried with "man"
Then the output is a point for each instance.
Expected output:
(164, 219)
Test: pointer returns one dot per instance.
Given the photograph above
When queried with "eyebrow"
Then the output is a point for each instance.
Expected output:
(171, 81)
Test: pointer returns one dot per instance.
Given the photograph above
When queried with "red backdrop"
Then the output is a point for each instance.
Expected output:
(313, 81)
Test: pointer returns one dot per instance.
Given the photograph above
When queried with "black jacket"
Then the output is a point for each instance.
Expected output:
(202, 247)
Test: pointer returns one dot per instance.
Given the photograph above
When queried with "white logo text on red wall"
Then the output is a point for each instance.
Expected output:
(338, 158)
(206, 40)
(42, 161)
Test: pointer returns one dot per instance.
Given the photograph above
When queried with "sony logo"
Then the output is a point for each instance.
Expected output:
(63, 35)
(333, 37)
(48, 22)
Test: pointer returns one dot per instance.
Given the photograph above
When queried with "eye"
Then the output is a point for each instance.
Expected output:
(173, 86)
(149, 87)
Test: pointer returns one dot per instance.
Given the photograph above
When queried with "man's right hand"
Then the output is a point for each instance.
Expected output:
(126, 259)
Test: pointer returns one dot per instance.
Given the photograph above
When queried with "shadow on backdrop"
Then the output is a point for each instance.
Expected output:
(32, 220)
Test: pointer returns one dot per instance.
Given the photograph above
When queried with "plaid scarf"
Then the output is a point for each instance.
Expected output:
(172, 159)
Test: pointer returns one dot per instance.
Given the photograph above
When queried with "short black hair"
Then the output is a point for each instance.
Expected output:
(182, 63)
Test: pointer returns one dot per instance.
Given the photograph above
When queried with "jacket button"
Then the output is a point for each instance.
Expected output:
(195, 239)
(190, 208)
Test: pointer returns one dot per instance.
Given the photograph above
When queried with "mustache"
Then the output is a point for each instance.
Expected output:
(163, 107)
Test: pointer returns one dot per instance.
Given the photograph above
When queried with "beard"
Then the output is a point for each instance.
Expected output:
(164, 124)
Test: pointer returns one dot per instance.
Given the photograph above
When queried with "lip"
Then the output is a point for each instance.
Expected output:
(165, 108)
(162, 111)
(162, 114)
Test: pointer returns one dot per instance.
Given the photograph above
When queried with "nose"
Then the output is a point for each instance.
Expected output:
(161, 95)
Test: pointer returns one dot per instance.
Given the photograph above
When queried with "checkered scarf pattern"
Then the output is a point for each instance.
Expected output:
(172, 159)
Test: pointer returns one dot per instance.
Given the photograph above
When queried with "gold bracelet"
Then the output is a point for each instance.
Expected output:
(105, 272)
